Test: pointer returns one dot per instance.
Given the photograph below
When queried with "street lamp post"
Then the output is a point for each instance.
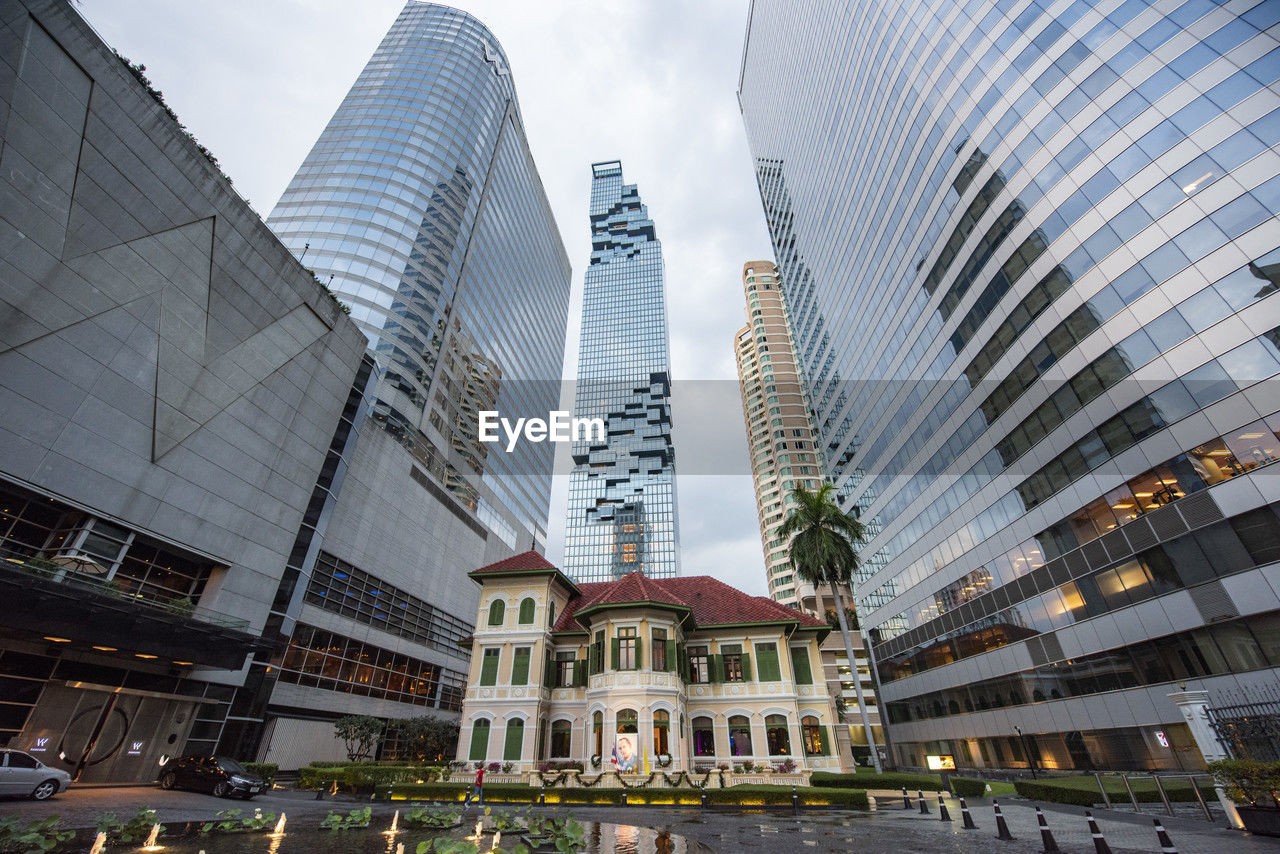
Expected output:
(1031, 761)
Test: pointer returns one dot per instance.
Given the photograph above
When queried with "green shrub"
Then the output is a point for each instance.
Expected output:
(745, 795)
(1039, 790)
(891, 780)
(265, 770)
(362, 777)
(1248, 781)
(966, 787)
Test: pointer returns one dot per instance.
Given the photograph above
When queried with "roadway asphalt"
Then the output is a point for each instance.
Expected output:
(889, 828)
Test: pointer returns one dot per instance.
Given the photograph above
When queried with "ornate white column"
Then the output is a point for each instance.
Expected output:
(1194, 707)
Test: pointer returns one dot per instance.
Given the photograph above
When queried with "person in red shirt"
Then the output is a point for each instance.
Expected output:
(478, 791)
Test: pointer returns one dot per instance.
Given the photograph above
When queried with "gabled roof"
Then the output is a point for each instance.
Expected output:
(516, 563)
(708, 601)
(525, 563)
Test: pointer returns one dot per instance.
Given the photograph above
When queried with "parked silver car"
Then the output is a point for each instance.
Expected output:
(23, 774)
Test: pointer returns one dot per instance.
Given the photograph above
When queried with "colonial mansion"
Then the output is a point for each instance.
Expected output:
(641, 674)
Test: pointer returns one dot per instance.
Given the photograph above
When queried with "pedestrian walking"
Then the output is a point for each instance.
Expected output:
(478, 792)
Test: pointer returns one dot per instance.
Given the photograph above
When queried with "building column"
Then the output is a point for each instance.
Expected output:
(1194, 706)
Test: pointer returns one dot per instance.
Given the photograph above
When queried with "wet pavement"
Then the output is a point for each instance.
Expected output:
(884, 830)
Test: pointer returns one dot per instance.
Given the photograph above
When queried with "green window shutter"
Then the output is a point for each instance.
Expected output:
(826, 741)
(580, 673)
(496, 612)
(489, 667)
(526, 611)
(549, 671)
(716, 668)
(479, 740)
(671, 655)
(593, 666)
(520, 669)
(683, 655)
(800, 665)
(746, 667)
(639, 655)
(613, 661)
(767, 667)
(515, 741)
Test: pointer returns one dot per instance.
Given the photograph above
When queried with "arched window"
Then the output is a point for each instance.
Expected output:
(704, 737)
(628, 721)
(514, 743)
(561, 738)
(496, 612)
(551, 614)
(739, 736)
(597, 729)
(775, 731)
(526, 611)
(661, 732)
(479, 740)
(811, 734)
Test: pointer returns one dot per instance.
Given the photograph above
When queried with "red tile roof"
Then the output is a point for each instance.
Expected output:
(711, 601)
(515, 563)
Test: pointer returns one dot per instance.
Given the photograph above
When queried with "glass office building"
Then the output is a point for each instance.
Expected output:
(1030, 251)
(421, 208)
(622, 491)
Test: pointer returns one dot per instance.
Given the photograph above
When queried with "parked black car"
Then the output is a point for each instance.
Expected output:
(217, 775)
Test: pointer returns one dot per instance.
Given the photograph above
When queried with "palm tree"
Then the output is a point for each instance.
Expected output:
(822, 551)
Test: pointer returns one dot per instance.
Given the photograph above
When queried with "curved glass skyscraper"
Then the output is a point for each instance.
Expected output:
(421, 207)
(1030, 250)
(622, 491)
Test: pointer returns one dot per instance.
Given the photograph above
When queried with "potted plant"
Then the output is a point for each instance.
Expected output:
(1254, 787)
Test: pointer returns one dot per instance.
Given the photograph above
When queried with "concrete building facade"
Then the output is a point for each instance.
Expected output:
(172, 383)
(682, 674)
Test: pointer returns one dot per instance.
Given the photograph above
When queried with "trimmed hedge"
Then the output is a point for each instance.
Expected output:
(967, 787)
(363, 777)
(745, 795)
(1049, 793)
(265, 770)
(891, 780)
(1082, 791)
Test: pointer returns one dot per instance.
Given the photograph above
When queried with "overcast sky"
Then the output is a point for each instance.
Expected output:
(650, 82)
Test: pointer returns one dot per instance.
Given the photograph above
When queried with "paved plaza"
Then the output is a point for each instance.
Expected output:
(889, 828)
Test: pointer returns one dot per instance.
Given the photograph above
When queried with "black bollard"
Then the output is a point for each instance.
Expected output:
(624, 797)
(968, 819)
(924, 806)
(942, 809)
(319, 794)
(1166, 844)
(1046, 835)
(704, 801)
(1100, 845)
(795, 802)
(906, 799)
(1002, 829)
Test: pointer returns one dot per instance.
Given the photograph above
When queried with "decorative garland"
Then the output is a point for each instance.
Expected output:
(664, 760)
(673, 780)
(554, 781)
(582, 781)
(643, 785)
(595, 761)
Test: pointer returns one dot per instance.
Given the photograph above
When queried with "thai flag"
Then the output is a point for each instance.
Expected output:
(614, 758)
